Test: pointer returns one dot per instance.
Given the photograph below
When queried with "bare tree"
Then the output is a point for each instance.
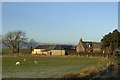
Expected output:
(31, 43)
(13, 40)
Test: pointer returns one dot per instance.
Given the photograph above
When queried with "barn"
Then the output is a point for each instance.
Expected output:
(49, 50)
(55, 50)
(39, 49)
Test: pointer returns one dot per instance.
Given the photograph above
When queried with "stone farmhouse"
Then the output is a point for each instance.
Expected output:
(88, 46)
(52, 49)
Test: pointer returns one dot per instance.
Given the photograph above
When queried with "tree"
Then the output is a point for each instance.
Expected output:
(13, 40)
(0, 39)
(31, 43)
(111, 40)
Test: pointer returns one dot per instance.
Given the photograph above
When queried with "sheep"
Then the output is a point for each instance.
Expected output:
(87, 55)
(17, 63)
(35, 62)
(24, 59)
(91, 56)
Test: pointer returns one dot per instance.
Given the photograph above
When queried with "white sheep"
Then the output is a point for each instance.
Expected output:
(87, 55)
(17, 63)
(24, 59)
(35, 62)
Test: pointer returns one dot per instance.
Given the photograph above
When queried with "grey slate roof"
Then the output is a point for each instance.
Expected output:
(42, 46)
(55, 47)
(86, 44)
(93, 44)
(58, 47)
(50, 47)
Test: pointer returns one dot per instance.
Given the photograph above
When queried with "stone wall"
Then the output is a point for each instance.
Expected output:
(80, 48)
(56, 52)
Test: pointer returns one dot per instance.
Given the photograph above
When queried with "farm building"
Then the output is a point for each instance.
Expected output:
(49, 50)
(39, 49)
(96, 46)
(87, 46)
(55, 50)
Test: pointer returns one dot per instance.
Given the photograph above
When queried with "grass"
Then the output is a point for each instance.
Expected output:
(5, 50)
(8, 51)
(46, 67)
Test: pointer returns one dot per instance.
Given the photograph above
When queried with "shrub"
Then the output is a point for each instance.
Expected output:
(89, 72)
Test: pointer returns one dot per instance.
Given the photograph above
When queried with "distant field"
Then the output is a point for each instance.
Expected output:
(8, 51)
(46, 67)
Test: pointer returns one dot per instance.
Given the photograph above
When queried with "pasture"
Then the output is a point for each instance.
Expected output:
(47, 66)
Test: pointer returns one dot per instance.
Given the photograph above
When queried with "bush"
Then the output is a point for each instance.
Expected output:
(89, 72)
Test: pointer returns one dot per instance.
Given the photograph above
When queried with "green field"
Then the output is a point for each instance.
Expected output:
(46, 67)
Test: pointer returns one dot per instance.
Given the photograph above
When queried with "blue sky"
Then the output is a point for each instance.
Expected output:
(60, 22)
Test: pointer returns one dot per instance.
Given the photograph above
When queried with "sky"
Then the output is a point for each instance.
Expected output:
(60, 0)
(60, 22)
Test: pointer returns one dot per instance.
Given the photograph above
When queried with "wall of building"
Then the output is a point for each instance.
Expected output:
(37, 51)
(56, 52)
(96, 49)
(80, 48)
